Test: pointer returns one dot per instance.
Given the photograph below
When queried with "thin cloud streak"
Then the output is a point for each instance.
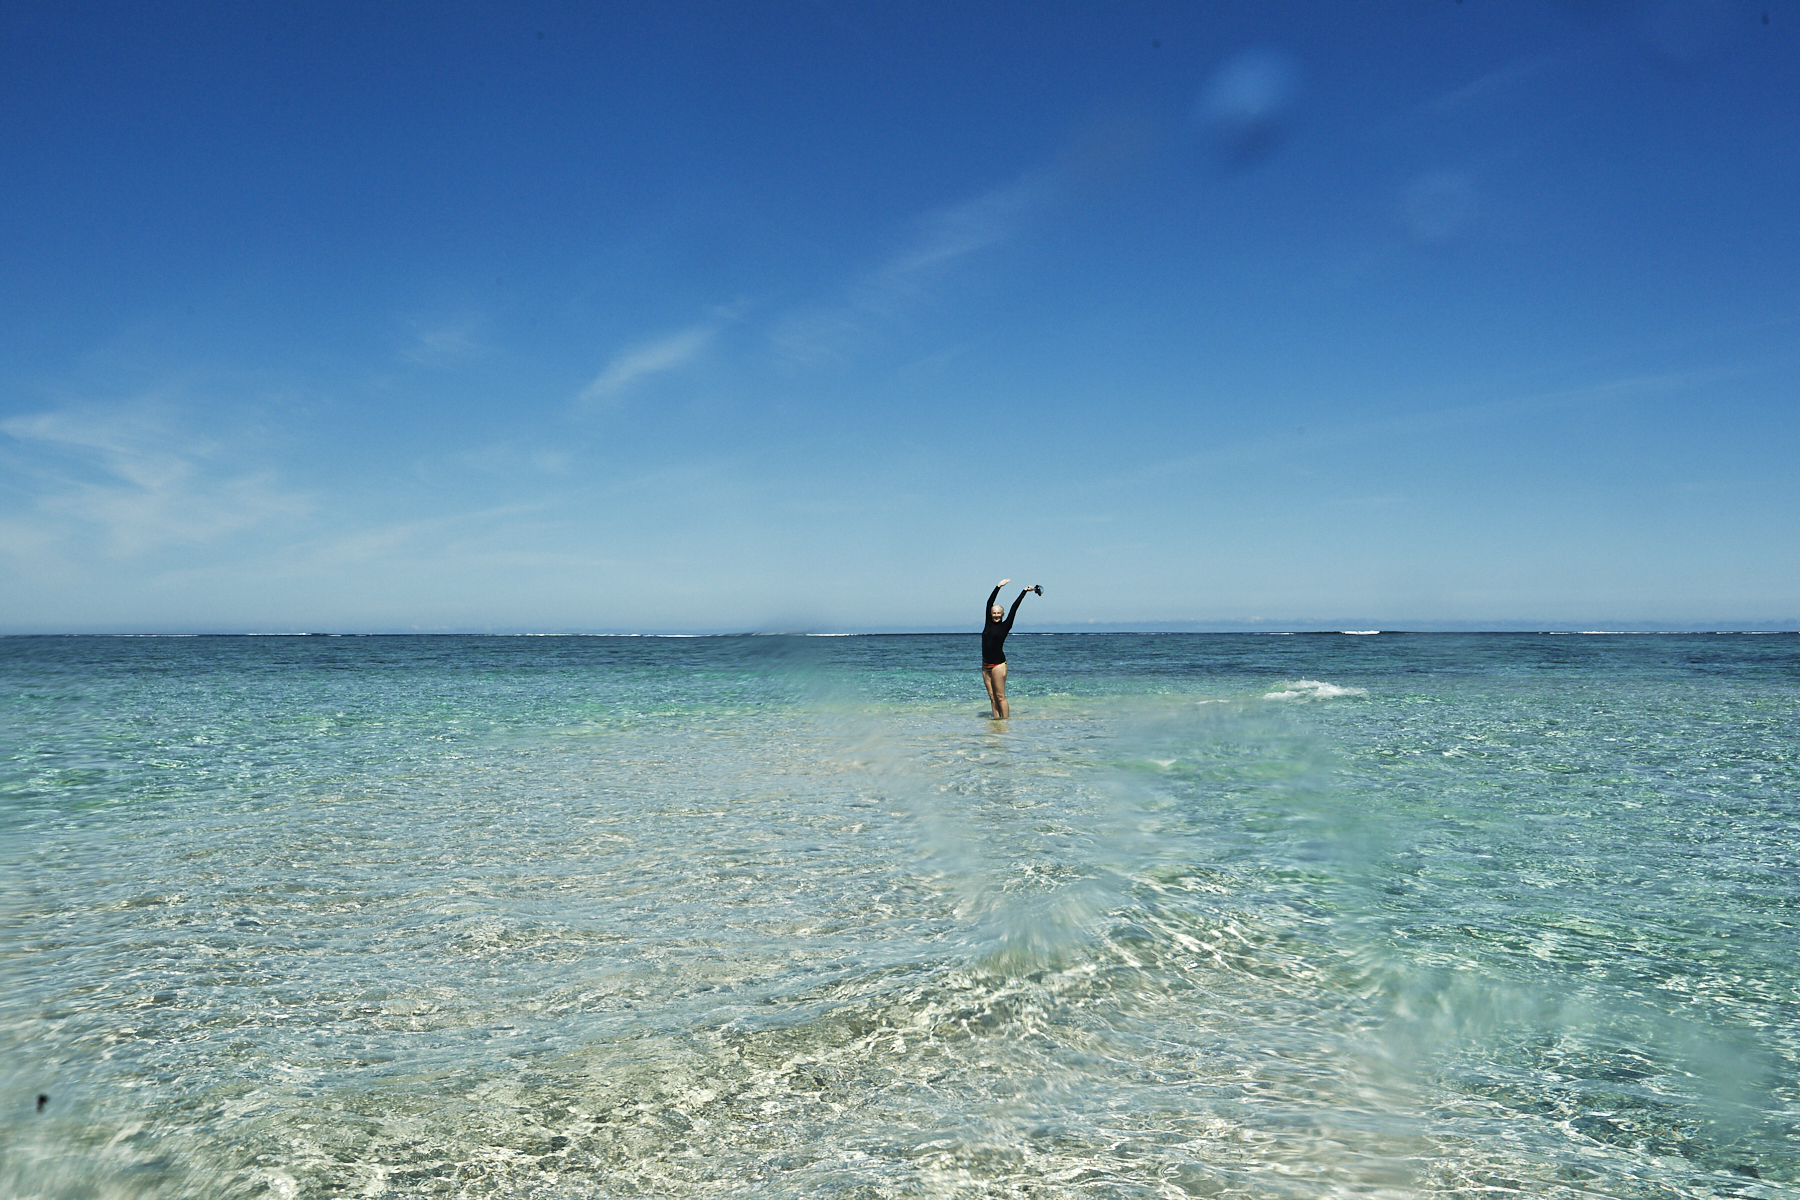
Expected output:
(944, 238)
(443, 344)
(1279, 447)
(956, 232)
(1489, 88)
(133, 476)
(646, 359)
(437, 543)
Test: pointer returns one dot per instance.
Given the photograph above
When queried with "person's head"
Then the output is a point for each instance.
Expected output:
(996, 613)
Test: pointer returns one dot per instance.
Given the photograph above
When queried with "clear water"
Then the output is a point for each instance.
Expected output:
(1212, 915)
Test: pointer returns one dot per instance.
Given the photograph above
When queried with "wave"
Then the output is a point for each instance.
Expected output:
(1312, 689)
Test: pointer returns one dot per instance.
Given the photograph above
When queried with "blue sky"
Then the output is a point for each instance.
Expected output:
(825, 316)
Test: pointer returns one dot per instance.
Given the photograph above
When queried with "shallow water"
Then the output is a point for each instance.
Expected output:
(1212, 915)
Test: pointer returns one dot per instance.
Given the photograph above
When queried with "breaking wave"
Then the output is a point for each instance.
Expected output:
(1312, 689)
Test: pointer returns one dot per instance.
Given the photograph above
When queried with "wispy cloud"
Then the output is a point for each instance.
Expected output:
(1476, 99)
(517, 458)
(446, 342)
(950, 234)
(645, 359)
(133, 475)
(941, 240)
(934, 247)
(1396, 427)
(1490, 88)
(432, 545)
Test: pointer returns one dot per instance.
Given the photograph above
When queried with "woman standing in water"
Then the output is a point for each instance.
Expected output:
(993, 642)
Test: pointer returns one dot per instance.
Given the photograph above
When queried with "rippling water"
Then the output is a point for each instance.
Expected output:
(1212, 915)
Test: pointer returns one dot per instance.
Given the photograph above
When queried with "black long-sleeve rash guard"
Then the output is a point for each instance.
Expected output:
(993, 633)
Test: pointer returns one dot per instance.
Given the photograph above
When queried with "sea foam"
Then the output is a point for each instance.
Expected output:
(1312, 689)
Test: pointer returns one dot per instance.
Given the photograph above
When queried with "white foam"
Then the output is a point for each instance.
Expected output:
(1312, 689)
(1360, 632)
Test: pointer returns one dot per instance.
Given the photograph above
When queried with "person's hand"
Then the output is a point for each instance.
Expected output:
(1003, 583)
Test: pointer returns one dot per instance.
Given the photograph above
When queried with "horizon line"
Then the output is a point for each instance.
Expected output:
(1125, 629)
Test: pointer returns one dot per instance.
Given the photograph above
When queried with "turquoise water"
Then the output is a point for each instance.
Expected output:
(1212, 915)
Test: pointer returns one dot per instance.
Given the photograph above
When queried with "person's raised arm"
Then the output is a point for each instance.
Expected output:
(1015, 607)
(990, 600)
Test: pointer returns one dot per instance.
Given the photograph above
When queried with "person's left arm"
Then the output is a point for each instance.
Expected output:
(1015, 607)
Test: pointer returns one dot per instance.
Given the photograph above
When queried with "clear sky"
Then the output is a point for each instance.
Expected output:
(827, 315)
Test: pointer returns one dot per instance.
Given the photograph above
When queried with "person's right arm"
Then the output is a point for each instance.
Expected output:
(990, 599)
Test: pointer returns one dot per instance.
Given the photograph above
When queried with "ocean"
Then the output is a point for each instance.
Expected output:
(1401, 915)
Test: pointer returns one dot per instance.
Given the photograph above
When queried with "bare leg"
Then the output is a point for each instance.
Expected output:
(995, 678)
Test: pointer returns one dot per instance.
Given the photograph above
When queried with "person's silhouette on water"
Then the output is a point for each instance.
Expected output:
(993, 647)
